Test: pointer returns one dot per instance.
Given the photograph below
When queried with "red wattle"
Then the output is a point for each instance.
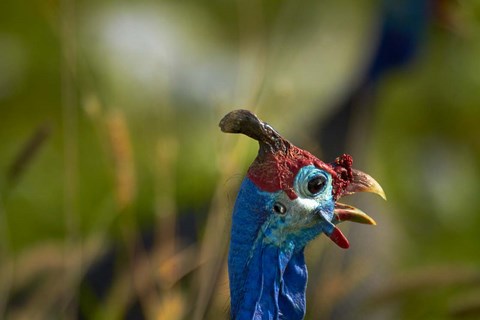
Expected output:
(339, 239)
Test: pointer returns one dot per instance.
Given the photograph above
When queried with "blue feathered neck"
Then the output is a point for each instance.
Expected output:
(266, 281)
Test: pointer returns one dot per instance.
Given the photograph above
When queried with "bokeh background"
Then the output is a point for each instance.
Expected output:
(116, 184)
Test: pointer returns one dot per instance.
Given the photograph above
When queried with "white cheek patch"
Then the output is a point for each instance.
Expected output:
(299, 214)
(298, 211)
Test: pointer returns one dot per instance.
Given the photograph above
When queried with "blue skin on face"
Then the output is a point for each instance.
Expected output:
(267, 270)
(302, 219)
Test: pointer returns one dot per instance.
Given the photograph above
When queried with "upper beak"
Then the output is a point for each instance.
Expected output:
(362, 182)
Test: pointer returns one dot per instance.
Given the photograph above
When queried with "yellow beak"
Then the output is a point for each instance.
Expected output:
(362, 182)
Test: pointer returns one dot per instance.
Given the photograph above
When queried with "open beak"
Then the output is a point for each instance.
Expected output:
(362, 182)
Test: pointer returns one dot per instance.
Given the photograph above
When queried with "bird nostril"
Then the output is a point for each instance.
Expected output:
(279, 208)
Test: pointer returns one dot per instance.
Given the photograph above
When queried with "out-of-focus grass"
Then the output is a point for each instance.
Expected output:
(134, 167)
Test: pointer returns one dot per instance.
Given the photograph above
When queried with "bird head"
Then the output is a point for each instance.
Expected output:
(288, 198)
(302, 192)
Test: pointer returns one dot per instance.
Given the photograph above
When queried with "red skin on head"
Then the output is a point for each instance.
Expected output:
(276, 171)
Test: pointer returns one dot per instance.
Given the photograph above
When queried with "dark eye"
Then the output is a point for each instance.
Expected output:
(279, 208)
(316, 184)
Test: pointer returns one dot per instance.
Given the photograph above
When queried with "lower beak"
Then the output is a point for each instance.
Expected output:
(345, 212)
(362, 182)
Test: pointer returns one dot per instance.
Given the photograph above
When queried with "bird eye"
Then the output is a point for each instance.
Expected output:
(316, 184)
(312, 182)
(279, 208)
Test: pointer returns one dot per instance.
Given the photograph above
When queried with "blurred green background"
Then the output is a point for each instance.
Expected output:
(116, 184)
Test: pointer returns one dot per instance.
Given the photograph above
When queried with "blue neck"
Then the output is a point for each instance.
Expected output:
(266, 281)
